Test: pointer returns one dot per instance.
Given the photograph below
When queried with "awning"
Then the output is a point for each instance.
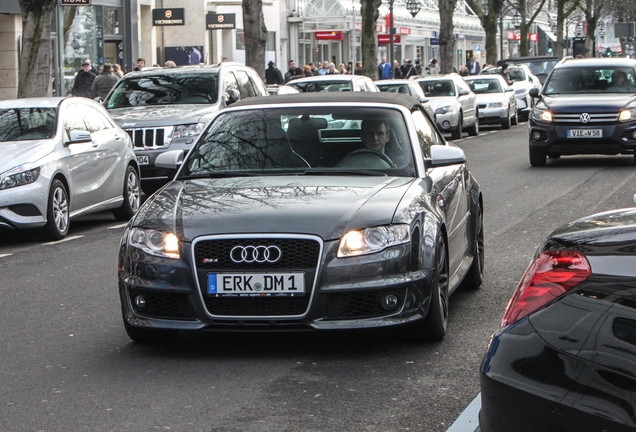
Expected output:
(548, 31)
(10, 7)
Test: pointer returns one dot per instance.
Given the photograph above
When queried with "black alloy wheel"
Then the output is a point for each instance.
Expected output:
(474, 129)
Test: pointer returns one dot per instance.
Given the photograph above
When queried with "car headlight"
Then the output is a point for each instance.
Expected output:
(372, 240)
(184, 131)
(541, 115)
(521, 90)
(495, 104)
(157, 243)
(18, 176)
(445, 109)
(629, 113)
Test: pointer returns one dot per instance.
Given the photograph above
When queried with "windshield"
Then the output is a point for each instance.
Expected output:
(541, 67)
(480, 86)
(303, 141)
(591, 80)
(436, 88)
(165, 90)
(23, 124)
(321, 86)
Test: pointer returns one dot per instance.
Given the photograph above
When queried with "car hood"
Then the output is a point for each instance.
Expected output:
(323, 206)
(610, 228)
(441, 101)
(596, 103)
(158, 115)
(15, 153)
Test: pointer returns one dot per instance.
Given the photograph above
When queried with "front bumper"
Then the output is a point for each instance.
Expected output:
(25, 206)
(341, 294)
(527, 386)
(447, 122)
(617, 138)
(492, 115)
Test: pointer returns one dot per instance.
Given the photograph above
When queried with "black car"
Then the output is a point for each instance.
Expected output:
(564, 358)
(331, 211)
(586, 106)
(540, 66)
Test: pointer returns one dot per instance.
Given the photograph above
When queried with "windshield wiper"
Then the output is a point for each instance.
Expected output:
(336, 172)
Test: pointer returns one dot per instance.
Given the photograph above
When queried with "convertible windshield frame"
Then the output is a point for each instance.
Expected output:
(165, 89)
(28, 124)
(300, 140)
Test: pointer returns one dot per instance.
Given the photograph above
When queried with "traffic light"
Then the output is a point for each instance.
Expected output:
(608, 52)
(549, 47)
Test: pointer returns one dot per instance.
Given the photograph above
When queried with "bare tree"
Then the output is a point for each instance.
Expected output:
(446, 34)
(255, 35)
(564, 10)
(370, 12)
(35, 60)
(489, 18)
(524, 5)
(593, 10)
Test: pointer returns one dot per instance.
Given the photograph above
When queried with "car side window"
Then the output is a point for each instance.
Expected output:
(73, 119)
(257, 82)
(417, 91)
(245, 84)
(462, 85)
(230, 84)
(95, 121)
(426, 133)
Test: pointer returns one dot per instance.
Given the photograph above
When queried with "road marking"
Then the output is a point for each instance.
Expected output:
(5, 255)
(63, 240)
(468, 421)
(118, 226)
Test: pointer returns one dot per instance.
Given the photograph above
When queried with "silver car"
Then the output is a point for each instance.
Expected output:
(61, 158)
(496, 100)
(523, 80)
(330, 83)
(408, 87)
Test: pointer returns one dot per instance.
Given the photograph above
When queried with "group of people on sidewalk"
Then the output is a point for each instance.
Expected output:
(407, 69)
(273, 75)
(91, 83)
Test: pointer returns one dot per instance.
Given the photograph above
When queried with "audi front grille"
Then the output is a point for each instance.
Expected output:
(297, 254)
(151, 138)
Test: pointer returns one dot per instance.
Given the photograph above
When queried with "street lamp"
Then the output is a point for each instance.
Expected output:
(413, 9)
(413, 6)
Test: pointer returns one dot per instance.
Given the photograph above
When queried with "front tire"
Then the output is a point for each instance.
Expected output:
(57, 212)
(132, 193)
(474, 129)
(505, 123)
(457, 132)
(474, 277)
(515, 119)
(537, 158)
(433, 327)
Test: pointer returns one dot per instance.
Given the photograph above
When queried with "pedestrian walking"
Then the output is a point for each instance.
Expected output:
(272, 74)
(384, 69)
(104, 83)
(83, 82)
(291, 71)
(473, 66)
(433, 67)
(117, 71)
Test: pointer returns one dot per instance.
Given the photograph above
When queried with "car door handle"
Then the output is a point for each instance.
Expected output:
(117, 137)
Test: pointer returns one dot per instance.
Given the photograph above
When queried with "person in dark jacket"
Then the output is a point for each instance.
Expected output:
(104, 82)
(83, 82)
(273, 74)
(397, 71)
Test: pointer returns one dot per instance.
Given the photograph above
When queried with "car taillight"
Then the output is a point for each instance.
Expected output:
(549, 275)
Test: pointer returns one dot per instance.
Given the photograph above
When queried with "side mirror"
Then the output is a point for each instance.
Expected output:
(170, 159)
(232, 96)
(464, 92)
(79, 136)
(534, 92)
(424, 100)
(510, 89)
(442, 155)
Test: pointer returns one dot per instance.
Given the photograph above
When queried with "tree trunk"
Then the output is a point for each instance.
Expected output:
(446, 35)
(255, 35)
(489, 22)
(35, 60)
(370, 14)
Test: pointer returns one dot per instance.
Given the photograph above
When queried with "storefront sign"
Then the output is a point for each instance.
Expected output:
(516, 35)
(220, 21)
(75, 2)
(404, 30)
(385, 39)
(330, 35)
(534, 37)
(434, 41)
(168, 17)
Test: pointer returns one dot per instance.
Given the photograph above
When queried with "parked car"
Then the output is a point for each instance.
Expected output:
(61, 158)
(275, 89)
(275, 221)
(168, 108)
(540, 66)
(587, 107)
(334, 83)
(564, 357)
(409, 87)
(524, 80)
(496, 100)
(454, 102)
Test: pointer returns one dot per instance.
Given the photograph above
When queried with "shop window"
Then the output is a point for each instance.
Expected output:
(112, 21)
(271, 41)
(240, 39)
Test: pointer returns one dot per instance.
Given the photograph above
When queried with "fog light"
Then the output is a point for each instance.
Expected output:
(634, 134)
(140, 302)
(445, 124)
(536, 136)
(390, 301)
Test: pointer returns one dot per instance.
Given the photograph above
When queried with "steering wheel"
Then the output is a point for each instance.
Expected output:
(361, 152)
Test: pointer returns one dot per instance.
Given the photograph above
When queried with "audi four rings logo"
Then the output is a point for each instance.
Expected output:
(259, 254)
(585, 118)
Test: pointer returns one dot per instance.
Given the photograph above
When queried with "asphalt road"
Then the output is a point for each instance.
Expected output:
(67, 364)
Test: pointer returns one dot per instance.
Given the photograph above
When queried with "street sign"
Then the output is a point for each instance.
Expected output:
(75, 2)
(220, 21)
(168, 17)
(385, 39)
(477, 47)
(624, 29)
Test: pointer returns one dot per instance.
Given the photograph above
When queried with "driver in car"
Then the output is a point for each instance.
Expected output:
(374, 134)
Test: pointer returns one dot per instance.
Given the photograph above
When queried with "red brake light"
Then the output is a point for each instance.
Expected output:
(548, 276)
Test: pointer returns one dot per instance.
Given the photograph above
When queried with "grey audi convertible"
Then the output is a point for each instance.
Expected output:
(326, 212)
